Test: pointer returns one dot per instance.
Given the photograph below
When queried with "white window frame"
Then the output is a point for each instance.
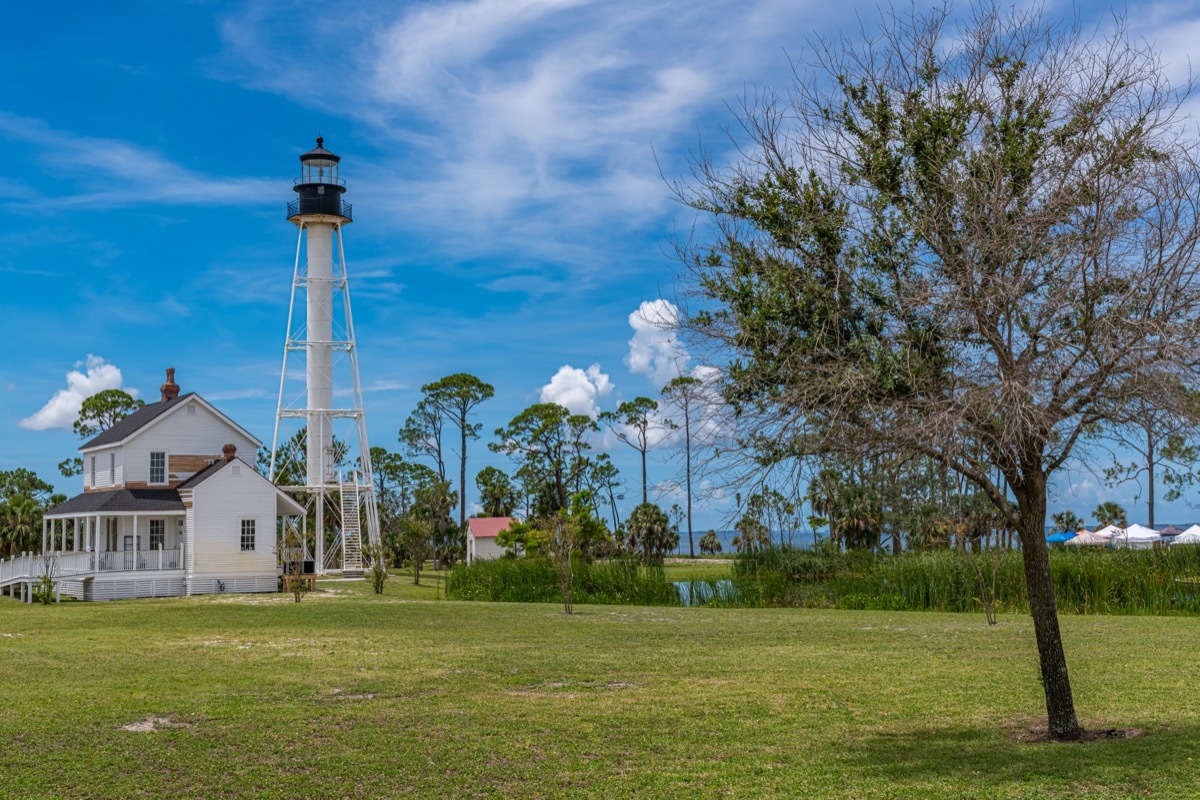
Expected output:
(112, 469)
(92, 476)
(249, 535)
(154, 453)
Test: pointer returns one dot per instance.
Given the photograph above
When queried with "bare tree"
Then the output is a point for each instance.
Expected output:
(977, 245)
(561, 529)
(422, 434)
(686, 394)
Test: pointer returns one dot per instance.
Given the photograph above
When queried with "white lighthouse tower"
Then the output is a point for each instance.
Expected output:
(330, 470)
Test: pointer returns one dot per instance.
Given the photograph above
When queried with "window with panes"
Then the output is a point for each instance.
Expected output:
(158, 467)
(247, 534)
(158, 534)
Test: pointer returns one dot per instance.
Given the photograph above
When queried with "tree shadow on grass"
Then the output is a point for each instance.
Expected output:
(1004, 754)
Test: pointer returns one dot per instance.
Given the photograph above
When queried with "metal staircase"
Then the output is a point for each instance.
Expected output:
(352, 551)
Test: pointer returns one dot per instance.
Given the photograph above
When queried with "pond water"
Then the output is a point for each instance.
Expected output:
(698, 593)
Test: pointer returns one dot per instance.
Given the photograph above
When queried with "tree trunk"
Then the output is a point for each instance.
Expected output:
(644, 477)
(687, 469)
(1060, 704)
(462, 476)
(1150, 476)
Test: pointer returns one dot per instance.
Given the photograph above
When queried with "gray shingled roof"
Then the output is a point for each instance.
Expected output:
(119, 500)
(204, 474)
(143, 416)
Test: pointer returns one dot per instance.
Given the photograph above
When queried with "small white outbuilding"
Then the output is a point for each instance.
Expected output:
(481, 537)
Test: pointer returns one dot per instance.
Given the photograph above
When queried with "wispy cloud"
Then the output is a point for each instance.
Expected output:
(518, 127)
(96, 165)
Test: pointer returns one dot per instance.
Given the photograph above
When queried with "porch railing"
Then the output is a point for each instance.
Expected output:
(136, 560)
(31, 566)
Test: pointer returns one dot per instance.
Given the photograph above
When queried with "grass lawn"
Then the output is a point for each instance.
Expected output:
(352, 695)
(684, 569)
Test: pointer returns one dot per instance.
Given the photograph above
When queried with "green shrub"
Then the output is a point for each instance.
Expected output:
(534, 580)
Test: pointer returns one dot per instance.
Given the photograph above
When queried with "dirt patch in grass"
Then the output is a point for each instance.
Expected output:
(152, 724)
(1036, 732)
(273, 598)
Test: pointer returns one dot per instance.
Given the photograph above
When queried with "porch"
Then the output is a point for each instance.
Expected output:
(96, 575)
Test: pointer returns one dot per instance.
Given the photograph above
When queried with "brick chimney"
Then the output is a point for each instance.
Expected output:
(170, 389)
(229, 451)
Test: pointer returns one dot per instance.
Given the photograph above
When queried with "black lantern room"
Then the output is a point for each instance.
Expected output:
(319, 186)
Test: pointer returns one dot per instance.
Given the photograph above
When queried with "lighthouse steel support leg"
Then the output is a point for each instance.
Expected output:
(287, 344)
(364, 450)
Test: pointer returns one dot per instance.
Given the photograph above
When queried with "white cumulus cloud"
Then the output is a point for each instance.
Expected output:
(578, 390)
(89, 377)
(655, 350)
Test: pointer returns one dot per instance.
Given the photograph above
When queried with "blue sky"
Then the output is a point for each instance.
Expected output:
(503, 159)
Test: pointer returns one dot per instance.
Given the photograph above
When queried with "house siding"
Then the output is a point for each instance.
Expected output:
(219, 505)
(484, 548)
(181, 434)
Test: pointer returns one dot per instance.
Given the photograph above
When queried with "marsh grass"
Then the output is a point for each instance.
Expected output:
(535, 580)
(1086, 581)
(1159, 581)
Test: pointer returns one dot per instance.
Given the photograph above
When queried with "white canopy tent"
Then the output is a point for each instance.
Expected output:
(1190, 536)
(1137, 537)
(1107, 532)
(1089, 538)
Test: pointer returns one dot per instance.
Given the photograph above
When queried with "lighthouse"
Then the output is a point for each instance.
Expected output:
(334, 470)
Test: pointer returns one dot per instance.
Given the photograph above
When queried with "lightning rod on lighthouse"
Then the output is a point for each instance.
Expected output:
(329, 470)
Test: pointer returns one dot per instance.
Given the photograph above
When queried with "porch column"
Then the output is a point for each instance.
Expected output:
(135, 540)
(44, 521)
(319, 543)
(95, 535)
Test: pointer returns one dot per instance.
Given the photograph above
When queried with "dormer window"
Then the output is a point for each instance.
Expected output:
(158, 467)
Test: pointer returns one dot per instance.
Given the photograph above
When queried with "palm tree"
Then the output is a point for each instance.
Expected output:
(1110, 513)
(752, 534)
(822, 496)
(858, 517)
(649, 531)
(21, 518)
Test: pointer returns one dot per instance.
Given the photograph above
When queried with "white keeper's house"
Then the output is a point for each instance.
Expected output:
(171, 505)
